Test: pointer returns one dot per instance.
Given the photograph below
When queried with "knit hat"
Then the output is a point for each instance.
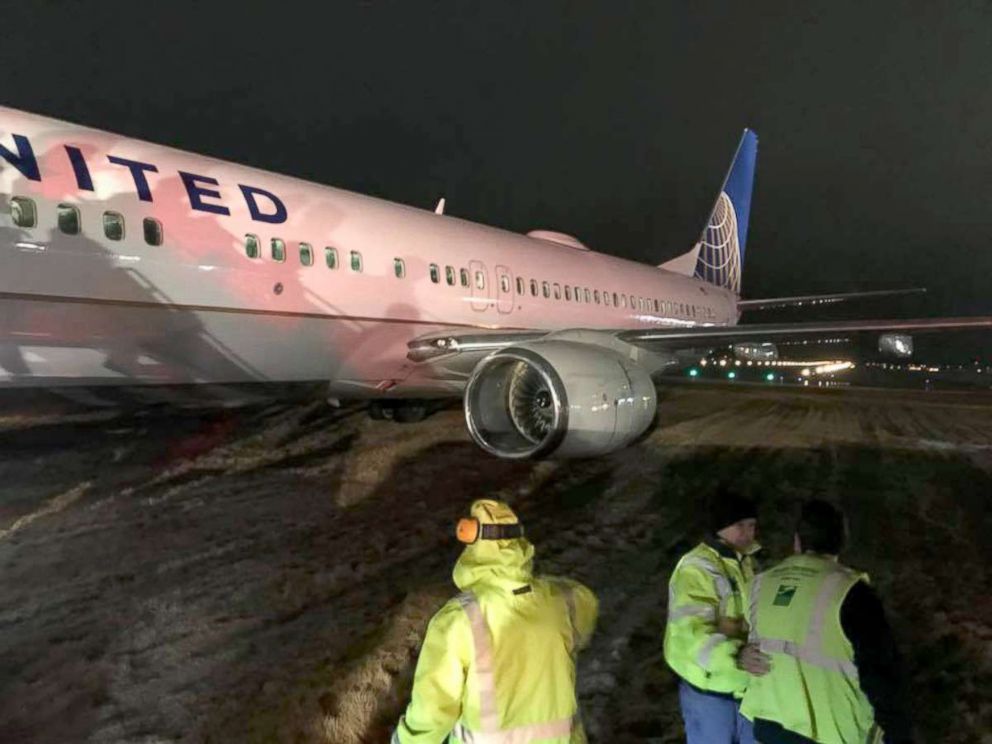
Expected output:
(728, 507)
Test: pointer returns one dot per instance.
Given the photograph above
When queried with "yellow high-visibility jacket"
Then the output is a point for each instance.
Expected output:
(498, 662)
(707, 604)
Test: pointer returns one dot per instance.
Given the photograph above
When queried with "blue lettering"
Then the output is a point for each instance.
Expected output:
(138, 174)
(79, 167)
(276, 217)
(25, 160)
(196, 192)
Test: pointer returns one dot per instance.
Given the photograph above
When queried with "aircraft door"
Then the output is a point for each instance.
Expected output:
(480, 286)
(504, 290)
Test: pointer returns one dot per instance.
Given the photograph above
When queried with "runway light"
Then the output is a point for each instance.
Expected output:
(770, 377)
(693, 372)
(723, 362)
(731, 375)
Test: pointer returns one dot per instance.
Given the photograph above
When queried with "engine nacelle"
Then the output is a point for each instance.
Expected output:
(558, 398)
(896, 344)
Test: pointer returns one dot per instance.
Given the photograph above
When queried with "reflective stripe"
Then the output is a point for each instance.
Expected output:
(703, 658)
(707, 612)
(723, 588)
(809, 656)
(570, 603)
(752, 610)
(516, 735)
(488, 715)
(824, 600)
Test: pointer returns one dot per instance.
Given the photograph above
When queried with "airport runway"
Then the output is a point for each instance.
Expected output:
(265, 574)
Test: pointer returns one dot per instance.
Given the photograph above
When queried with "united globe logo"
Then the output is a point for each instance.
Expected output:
(719, 260)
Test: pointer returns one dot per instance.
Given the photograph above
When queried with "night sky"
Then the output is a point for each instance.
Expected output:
(613, 121)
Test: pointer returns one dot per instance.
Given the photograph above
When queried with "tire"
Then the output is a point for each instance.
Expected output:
(377, 410)
(411, 412)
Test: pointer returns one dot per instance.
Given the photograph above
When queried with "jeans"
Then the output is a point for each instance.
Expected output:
(712, 719)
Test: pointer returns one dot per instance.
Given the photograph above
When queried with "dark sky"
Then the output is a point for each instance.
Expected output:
(614, 121)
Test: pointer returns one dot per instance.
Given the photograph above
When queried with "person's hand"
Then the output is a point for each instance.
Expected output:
(753, 661)
(732, 627)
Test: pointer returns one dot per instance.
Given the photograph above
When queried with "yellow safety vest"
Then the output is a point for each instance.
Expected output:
(709, 584)
(812, 688)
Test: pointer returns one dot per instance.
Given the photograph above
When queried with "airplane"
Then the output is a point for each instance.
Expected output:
(130, 265)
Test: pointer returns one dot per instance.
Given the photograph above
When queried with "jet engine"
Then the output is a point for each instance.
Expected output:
(558, 399)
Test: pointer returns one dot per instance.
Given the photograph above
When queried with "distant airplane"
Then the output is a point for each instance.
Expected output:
(124, 263)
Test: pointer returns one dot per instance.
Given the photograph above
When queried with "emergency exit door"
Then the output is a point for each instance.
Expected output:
(504, 290)
(480, 286)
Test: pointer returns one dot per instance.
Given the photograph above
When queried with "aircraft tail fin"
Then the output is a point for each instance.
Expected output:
(718, 257)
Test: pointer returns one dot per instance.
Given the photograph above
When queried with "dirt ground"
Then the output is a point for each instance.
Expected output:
(265, 574)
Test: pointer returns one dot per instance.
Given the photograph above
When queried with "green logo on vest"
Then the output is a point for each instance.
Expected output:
(784, 595)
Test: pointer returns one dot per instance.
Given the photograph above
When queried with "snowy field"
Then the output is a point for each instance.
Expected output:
(265, 575)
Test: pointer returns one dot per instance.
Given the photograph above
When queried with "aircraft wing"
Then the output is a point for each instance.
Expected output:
(442, 345)
(769, 303)
(715, 336)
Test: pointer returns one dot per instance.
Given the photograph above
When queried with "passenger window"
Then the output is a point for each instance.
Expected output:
(113, 225)
(306, 254)
(153, 231)
(68, 218)
(504, 283)
(595, 295)
(277, 247)
(23, 212)
(331, 257)
(606, 298)
(449, 275)
(656, 305)
(435, 273)
(520, 285)
(399, 268)
(463, 274)
(251, 246)
(480, 280)
(588, 295)
(356, 261)
(533, 287)
(545, 289)
(616, 300)
(557, 289)
(623, 300)
(568, 293)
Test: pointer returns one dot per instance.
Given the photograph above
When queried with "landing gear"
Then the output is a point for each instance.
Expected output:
(401, 411)
(411, 412)
(380, 410)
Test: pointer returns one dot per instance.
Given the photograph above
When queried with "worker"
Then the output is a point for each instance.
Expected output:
(835, 676)
(498, 661)
(706, 634)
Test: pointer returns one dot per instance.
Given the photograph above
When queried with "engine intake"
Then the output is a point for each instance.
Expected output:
(557, 398)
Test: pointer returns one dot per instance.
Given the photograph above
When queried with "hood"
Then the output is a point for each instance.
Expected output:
(505, 564)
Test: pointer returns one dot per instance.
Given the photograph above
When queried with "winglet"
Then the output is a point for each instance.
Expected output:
(439, 209)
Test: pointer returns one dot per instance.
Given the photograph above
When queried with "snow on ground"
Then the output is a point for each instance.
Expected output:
(265, 574)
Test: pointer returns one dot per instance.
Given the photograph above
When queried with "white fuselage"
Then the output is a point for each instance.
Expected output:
(85, 309)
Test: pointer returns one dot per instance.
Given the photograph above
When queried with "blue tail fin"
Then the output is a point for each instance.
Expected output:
(720, 251)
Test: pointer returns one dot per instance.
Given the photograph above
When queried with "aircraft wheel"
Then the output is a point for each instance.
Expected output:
(411, 412)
